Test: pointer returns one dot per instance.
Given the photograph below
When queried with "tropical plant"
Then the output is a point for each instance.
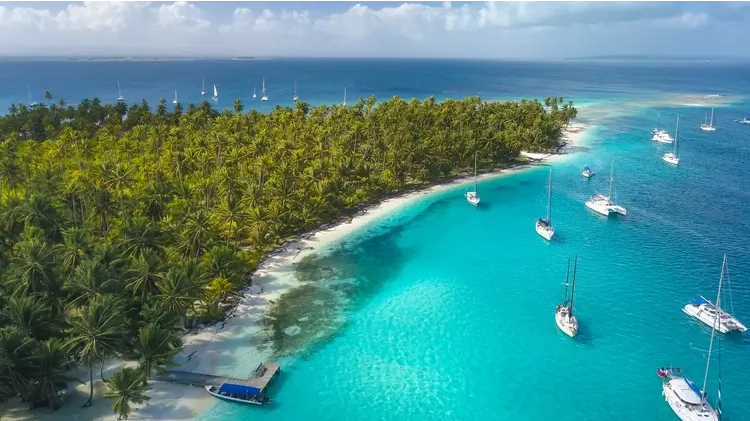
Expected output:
(128, 387)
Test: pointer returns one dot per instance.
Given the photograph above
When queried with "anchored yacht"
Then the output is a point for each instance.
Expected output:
(604, 204)
(564, 317)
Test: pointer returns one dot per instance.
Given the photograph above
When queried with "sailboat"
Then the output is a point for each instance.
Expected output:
(705, 311)
(254, 91)
(745, 120)
(604, 204)
(264, 96)
(295, 97)
(709, 127)
(120, 97)
(588, 172)
(687, 401)
(544, 225)
(671, 157)
(174, 101)
(31, 103)
(656, 130)
(203, 87)
(216, 94)
(344, 103)
(471, 196)
(564, 317)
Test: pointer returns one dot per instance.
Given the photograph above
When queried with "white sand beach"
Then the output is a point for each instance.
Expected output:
(229, 348)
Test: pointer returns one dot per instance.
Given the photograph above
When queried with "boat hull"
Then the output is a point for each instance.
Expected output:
(545, 231)
(684, 412)
(709, 319)
(708, 128)
(670, 159)
(231, 399)
(569, 326)
(598, 207)
(588, 174)
(472, 198)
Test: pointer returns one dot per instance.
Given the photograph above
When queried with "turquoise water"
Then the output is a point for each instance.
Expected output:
(446, 311)
(450, 309)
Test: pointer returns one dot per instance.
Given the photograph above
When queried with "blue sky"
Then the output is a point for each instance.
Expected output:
(526, 30)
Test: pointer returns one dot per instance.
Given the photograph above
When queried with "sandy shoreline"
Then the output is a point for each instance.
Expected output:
(227, 348)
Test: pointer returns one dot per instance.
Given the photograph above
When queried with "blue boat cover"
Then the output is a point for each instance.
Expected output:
(239, 390)
(698, 301)
(695, 388)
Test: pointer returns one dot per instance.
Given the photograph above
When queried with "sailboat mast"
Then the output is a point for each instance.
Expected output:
(573, 288)
(712, 116)
(611, 178)
(567, 278)
(475, 172)
(549, 198)
(717, 317)
(676, 136)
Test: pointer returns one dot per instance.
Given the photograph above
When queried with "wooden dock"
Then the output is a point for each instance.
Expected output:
(261, 378)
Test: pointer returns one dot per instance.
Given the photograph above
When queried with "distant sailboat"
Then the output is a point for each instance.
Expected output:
(709, 127)
(120, 97)
(31, 103)
(295, 97)
(564, 317)
(604, 204)
(671, 157)
(174, 101)
(263, 92)
(203, 87)
(544, 225)
(254, 91)
(216, 94)
(471, 196)
(344, 103)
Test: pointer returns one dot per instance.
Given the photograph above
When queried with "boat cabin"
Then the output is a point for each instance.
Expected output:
(687, 392)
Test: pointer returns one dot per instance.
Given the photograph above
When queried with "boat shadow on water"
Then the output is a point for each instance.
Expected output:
(583, 336)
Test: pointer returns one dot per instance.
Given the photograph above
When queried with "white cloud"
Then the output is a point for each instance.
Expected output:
(489, 28)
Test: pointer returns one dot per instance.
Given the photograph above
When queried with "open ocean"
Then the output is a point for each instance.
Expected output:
(450, 310)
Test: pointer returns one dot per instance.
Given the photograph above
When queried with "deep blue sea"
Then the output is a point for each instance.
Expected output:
(451, 309)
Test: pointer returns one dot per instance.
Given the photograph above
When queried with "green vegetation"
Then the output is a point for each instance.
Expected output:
(120, 227)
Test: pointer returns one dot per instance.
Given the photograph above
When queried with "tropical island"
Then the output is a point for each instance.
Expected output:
(123, 227)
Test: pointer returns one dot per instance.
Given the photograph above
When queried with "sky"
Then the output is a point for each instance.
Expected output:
(488, 30)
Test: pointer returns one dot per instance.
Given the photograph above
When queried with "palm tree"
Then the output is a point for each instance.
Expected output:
(50, 367)
(155, 348)
(128, 387)
(176, 292)
(144, 275)
(96, 332)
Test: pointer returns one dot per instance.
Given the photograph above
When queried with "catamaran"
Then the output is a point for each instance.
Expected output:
(544, 225)
(203, 87)
(254, 91)
(344, 103)
(587, 172)
(705, 311)
(687, 401)
(604, 204)
(295, 98)
(745, 120)
(216, 94)
(471, 196)
(174, 101)
(672, 157)
(120, 97)
(709, 127)
(238, 393)
(564, 317)
(263, 92)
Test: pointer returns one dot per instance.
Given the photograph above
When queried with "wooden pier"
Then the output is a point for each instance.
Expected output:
(261, 378)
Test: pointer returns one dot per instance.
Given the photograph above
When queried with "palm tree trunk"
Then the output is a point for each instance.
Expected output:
(101, 371)
(91, 385)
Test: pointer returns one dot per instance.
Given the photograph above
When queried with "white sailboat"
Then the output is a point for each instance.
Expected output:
(604, 204)
(295, 97)
(174, 101)
(709, 127)
(745, 120)
(264, 96)
(203, 87)
(31, 103)
(344, 103)
(672, 157)
(471, 196)
(687, 401)
(254, 91)
(216, 94)
(564, 317)
(120, 97)
(544, 225)
(705, 311)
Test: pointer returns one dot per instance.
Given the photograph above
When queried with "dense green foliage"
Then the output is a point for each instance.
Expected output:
(120, 226)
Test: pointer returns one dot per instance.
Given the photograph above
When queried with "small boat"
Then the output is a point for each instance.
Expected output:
(705, 311)
(710, 126)
(238, 393)
(689, 402)
(295, 98)
(668, 372)
(745, 120)
(662, 136)
(656, 130)
(604, 204)
(120, 97)
(216, 94)
(471, 196)
(587, 172)
(263, 92)
(564, 317)
(672, 157)
(174, 101)
(344, 103)
(203, 87)
(544, 225)
(254, 91)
